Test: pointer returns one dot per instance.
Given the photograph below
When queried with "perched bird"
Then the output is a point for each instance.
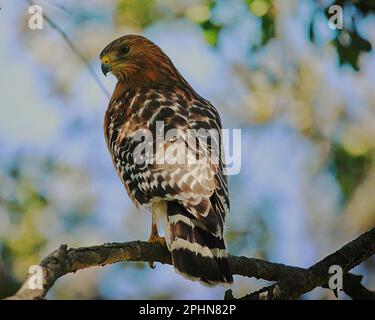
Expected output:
(191, 199)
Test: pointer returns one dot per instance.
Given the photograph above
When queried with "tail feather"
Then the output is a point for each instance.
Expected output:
(197, 253)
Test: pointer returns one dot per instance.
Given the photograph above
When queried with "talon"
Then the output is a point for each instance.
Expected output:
(154, 236)
(157, 239)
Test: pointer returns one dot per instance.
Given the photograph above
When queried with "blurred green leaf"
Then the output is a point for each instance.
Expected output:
(348, 41)
(211, 32)
(349, 51)
(348, 169)
(136, 13)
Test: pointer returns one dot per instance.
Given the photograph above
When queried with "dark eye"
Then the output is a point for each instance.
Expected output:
(124, 49)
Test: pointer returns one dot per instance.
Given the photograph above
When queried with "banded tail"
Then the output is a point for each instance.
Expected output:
(198, 253)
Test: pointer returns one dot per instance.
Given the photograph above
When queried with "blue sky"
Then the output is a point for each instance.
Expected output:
(278, 162)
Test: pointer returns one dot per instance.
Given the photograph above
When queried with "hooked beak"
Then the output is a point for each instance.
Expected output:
(106, 67)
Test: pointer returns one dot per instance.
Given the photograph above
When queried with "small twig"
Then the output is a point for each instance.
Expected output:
(60, 7)
(317, 275)
(72, 46)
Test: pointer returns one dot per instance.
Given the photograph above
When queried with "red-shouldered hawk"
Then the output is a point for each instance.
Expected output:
(190, 196)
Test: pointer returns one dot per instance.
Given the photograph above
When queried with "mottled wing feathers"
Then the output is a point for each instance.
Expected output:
(142, 109)
(196, 194)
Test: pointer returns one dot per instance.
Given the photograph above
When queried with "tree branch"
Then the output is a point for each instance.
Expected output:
(317, 275)
(294, 281)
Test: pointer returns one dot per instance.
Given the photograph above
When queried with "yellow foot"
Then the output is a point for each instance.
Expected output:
(157, 239)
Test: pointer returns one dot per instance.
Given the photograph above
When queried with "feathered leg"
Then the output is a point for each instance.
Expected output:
(154, 236)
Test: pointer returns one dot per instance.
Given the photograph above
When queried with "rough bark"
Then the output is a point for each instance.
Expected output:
(292, 281)
(317, 275)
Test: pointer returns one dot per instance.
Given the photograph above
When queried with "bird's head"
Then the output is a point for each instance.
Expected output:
(134, 58)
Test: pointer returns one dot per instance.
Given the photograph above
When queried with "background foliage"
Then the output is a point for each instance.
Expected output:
(301, 93)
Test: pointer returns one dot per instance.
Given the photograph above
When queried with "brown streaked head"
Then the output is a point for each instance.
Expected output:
(135, 60)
